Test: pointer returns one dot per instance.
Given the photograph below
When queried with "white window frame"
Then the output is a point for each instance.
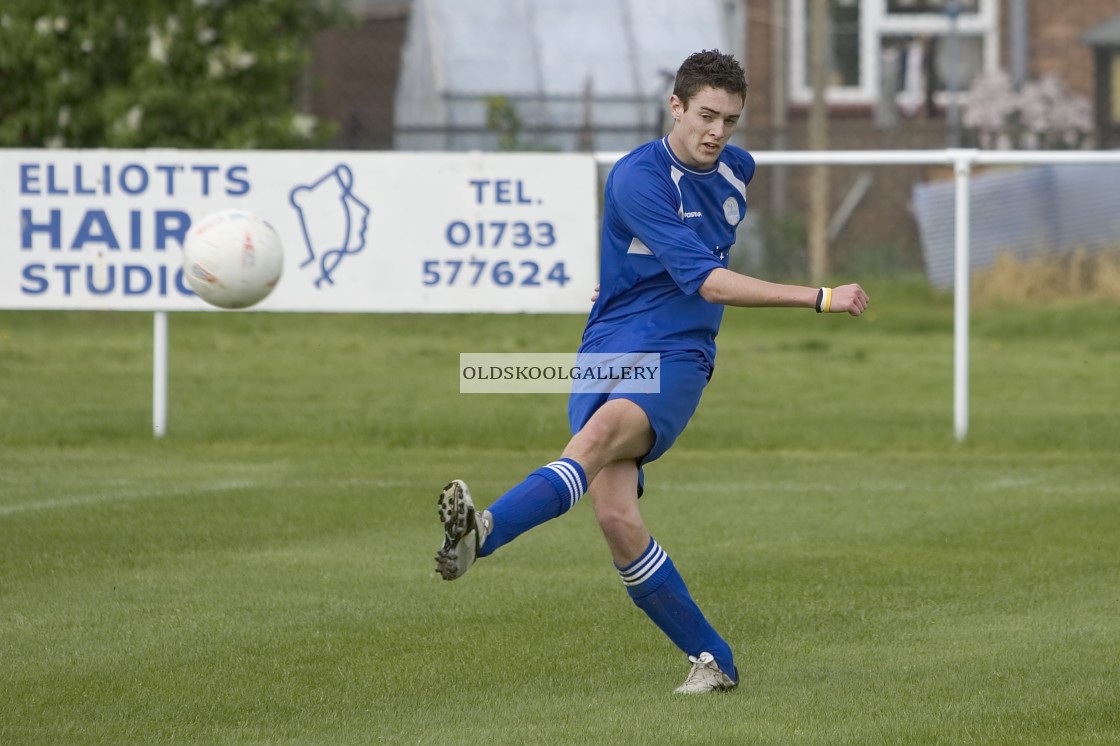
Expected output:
(875, 23)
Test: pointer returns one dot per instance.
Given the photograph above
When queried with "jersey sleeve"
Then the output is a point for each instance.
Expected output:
(647, 205)
(744, 161)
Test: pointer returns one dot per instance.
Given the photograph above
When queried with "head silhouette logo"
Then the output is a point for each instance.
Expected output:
(333, 220)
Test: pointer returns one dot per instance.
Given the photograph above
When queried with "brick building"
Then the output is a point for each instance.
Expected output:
(869, 108)
(354, 72)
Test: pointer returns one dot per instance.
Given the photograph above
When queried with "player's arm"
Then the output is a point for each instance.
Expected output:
(730, 288)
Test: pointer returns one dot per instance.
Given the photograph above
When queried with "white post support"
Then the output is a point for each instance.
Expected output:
(962, 170)
(962, 160)
(159, 375)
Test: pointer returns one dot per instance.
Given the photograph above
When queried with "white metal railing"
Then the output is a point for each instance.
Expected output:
(962, 160)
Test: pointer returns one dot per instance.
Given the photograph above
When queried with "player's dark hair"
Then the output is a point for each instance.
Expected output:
(709, 68)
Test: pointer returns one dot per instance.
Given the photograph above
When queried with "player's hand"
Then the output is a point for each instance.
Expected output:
(595, 294)
(849, 299)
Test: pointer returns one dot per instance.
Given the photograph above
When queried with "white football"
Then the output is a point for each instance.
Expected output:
(232, 259)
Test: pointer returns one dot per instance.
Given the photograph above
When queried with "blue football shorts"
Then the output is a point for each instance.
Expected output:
(683, 378)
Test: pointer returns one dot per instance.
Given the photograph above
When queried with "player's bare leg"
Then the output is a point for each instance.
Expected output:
(653, 583)
(614, 495)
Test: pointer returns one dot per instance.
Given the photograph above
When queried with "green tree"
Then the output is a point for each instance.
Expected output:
(158, 73)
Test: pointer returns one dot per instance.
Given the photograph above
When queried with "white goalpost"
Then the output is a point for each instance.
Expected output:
(962, 161)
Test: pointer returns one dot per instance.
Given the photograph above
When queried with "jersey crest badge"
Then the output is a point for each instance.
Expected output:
(731, 211)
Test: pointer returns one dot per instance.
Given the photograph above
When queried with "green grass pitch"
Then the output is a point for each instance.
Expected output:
(264, 574)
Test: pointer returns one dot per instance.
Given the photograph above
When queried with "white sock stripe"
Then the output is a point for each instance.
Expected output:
(577, 472)
(568, 473)
(645, 567)
(649, 567)
(563, 470)
(574, 484)
(577, 480)
(646, 575)
(651, 552)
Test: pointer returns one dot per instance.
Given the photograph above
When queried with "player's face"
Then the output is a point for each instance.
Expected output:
(702, 127)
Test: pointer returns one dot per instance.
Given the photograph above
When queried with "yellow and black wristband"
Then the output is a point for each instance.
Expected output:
(824, 300)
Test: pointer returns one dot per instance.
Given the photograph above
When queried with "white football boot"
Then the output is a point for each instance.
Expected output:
(705, 676)
(464, 530)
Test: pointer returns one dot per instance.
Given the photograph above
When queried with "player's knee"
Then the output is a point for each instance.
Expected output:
(618, 430)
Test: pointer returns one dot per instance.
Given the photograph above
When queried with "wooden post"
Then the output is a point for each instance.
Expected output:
(818, 140)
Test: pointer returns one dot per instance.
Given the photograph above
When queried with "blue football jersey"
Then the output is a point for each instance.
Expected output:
(665, 228)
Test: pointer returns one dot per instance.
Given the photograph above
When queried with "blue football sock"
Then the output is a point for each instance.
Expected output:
(548, 492)
(658, 589)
